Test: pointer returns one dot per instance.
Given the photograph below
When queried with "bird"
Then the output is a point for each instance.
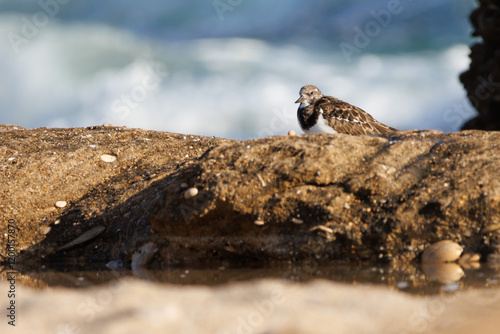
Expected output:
(318, 113)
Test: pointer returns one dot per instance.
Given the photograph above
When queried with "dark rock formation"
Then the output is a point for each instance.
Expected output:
(321, 197)
(343, 198)
(482, 80)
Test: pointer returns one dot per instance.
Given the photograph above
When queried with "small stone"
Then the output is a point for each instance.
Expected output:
(45, 230)
(108, 158)
(297, 221)
(49, 210)
(115, 265)
(391, 170)
(470, 257)
(259, 222)
(57, 222)
(291, 133)
(470, 261)
(61, 204)
(442, 251)
(144, 255)
(190, 193)
(491, 228)
(184, 185)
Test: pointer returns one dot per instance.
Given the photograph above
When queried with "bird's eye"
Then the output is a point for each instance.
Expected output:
(311, 93)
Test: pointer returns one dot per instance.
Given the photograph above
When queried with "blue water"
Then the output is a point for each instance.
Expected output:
(230, 68)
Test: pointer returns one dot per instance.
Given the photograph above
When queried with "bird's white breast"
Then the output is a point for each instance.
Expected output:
(320, 126)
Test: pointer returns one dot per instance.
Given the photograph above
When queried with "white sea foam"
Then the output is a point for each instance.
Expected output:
(81, 75)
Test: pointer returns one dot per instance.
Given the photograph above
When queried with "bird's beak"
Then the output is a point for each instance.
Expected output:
(300, 100)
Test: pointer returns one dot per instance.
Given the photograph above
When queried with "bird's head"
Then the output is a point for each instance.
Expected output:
(308, 95)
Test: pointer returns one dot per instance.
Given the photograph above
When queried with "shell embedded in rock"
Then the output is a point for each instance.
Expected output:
(84, 237)
(108, 158)
(190, 193)
(61, 204)
(442, 251)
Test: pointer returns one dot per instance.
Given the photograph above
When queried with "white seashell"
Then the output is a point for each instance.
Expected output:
(108, 158)
(190, 193)
(442, 251)
(61, 204)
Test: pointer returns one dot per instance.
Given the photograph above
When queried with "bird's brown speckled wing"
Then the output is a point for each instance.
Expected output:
(346, 118)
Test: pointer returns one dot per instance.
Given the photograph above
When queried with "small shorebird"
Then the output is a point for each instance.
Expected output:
(319, 113)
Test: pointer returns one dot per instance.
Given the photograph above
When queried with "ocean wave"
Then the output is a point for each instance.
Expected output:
(87, 74)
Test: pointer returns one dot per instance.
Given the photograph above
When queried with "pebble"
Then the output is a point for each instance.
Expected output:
(470, 261)
(469, 257)
(491, 228)
(45, 230)
(297, 221)
(61, 204)
(291, 133)
(108, 158)
(184, 185)
(115, 265)
(442, 251)
(259, 222)
(144, 255)
(190, 193)
(49, 210)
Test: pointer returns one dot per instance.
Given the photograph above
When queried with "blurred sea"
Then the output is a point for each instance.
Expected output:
(230, 68)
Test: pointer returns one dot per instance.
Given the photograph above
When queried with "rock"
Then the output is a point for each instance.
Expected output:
(58, 163)
(482, 80)
(442, 251)
(144, 255)
(291, 133)
(337, 182)
(61, 204)
(360, 198)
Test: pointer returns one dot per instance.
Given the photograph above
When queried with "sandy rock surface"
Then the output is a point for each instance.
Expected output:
(199, 199)
(334, 197)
